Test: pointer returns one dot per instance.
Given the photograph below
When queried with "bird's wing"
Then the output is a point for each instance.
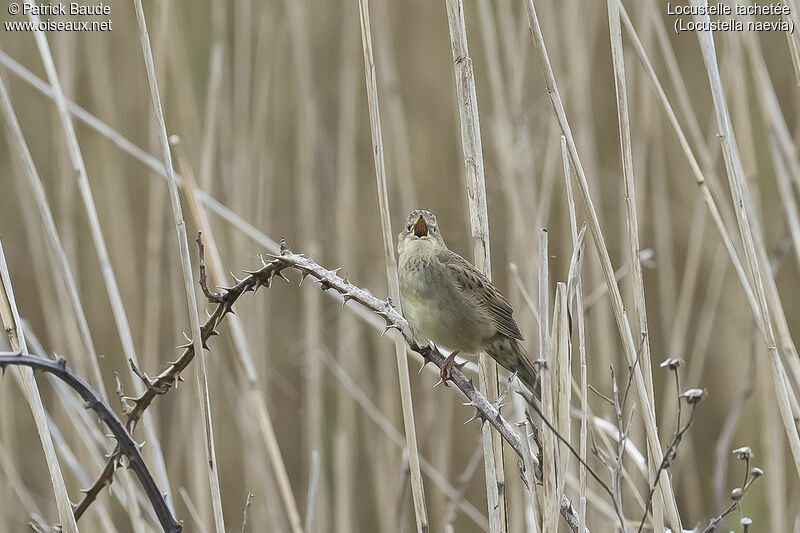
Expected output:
(471, 281)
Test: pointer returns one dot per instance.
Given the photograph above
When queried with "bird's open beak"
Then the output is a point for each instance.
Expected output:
(421, 228)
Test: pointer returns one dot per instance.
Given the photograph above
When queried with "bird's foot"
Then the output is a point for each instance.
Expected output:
(446, 371)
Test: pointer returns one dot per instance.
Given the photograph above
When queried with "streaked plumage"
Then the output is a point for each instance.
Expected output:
(449, 301)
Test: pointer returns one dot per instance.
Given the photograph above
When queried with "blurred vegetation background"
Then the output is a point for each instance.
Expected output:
(269, 103)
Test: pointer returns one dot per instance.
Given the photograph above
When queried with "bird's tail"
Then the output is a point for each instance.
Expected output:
(525, 370)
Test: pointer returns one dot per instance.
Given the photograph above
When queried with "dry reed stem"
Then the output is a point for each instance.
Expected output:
(86, 427)
(9, 316)
(252, 384)
(186, 265)
(631, 215)
(549, 451)
(307, 197)
(348, 330)
(20, 148)
(157, 167)
(61, 265)
(354, 392)
(472, 151)
(330, 280)
(700, 179)
(620, 315)
(109, 278)
(561, 380)
(748, 229)
(578, 313)
(417, 489)
(128, 447)
(779, 129)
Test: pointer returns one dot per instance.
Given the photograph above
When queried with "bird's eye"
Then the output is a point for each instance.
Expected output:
(409, 227)
(433, 229)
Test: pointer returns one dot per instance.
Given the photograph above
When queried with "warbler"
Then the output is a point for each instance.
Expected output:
(445, 299)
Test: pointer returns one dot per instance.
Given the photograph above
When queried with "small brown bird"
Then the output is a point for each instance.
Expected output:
(448, 301)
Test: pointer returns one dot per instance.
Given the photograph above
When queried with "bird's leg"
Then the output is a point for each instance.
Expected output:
(447, 368)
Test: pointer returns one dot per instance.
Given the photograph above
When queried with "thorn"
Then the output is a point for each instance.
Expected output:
(284, 247)
(477, 416)
(185, 336)
(345, 299)
(62, 363)
(303, 278)
(234, 277)
(180, 378)
(441, 381)
(279, 274)
(390, 326)
(425, 362)
(500, 399)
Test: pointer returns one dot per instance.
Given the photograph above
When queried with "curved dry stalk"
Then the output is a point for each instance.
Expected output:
(127, 446)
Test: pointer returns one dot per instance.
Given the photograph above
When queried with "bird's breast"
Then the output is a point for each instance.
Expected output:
(436, 308)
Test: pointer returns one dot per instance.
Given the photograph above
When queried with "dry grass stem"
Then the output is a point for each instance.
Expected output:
(417, 489)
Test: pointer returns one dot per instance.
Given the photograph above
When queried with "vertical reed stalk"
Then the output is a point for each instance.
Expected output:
(186, 266)
(744, 217)
(623, 326)
(472, 152)
(578, 313)
(417, 489)
(9, 316)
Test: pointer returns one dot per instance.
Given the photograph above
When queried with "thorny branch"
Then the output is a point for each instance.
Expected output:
(272, 266)
(126, 446)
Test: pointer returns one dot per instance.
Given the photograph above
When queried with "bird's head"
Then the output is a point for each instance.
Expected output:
(421, 225)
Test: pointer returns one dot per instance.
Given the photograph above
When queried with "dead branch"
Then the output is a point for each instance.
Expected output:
(272, 266)
(126, 446)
